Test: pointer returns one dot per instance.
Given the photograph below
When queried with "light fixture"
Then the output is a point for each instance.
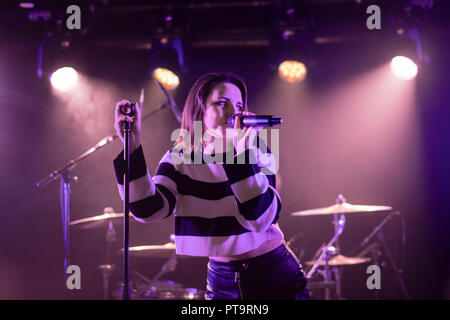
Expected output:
(64, 79)
(292, 71)
(167, 78)
(406, 55)
(26, 4)
(293, 60)
(167, 62)
(403, 68)
(291, 54)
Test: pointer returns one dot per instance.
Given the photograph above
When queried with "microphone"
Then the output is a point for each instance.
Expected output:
(127, 109)
(255, 121)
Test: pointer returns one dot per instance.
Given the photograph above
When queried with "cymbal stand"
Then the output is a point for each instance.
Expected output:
(107, 268)
(169, 266)
(398, 271)
(328, 251)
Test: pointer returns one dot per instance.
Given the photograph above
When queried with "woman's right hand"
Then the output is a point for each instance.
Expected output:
(135, 123)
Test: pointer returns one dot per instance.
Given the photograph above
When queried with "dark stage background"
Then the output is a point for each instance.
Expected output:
(349, 128)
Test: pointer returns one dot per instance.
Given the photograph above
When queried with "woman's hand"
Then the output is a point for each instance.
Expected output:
(243, 138)
(135, 123)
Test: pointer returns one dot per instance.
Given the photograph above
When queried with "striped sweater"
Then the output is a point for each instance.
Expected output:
(220, 209)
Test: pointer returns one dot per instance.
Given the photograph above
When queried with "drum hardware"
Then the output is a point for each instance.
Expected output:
(99, 221)
(107, 268)
(143, 288)
(109, 218)
(153, 251)
(342, 207)
(329, 254)
(375, 247)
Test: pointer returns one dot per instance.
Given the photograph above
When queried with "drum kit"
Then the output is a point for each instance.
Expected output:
(141, 287)
(328, 261)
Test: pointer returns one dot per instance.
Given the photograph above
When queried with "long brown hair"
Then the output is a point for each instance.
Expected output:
(194, 108)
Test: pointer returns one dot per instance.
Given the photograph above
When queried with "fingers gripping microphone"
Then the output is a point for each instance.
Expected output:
(127, 109)
(255, 121)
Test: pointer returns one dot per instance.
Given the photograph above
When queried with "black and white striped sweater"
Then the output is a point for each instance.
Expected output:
(220, 209)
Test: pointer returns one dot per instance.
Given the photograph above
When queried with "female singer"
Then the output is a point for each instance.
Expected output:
(224, 209)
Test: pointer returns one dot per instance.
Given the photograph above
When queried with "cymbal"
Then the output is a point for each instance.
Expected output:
(153, 251)
(99, 221)
(340, 260)
(341, 208)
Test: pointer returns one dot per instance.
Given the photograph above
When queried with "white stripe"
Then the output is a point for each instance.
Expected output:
(264, 221)
(140, 188)
(166, 182)
(225, 246)
(250, 187)
(158, 215)
(197, 207)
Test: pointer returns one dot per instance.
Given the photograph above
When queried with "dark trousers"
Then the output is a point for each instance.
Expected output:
(276, 275)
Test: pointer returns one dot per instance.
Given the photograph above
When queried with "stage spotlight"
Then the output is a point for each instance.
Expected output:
(291, 55)
(167, 78)
(292, 71)
(64, 79)
(407, 52)
(167, 62)
(403, 68)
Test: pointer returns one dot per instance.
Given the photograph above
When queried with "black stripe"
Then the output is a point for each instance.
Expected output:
(188, 186)
(201, 227)
(277, 216)
(254, 208)
(147, 207)
(171, 199)
(237, 172)
(138, 168)
(168, 170)
(272, 180)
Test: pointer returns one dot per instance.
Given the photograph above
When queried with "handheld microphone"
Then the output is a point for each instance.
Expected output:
(128, 109)
(255, 121)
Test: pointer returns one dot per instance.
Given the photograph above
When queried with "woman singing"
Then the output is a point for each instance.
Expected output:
(224, 209)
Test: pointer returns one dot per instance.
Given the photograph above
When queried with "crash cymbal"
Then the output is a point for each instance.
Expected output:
(342, 207)
(340, 260)
(153, 251)
(99, 221)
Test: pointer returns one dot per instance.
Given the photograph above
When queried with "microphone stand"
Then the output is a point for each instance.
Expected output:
(378, 233)
(65, 175)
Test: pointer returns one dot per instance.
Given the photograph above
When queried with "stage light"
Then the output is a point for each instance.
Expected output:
(26, 4)
(403, 68)
(64, 79)
(406, 53)
(291, 55)
(292, 71)
(167, 62)
(167, 78)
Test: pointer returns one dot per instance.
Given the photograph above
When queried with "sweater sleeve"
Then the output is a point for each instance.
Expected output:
(258, 201)
(151, 199)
